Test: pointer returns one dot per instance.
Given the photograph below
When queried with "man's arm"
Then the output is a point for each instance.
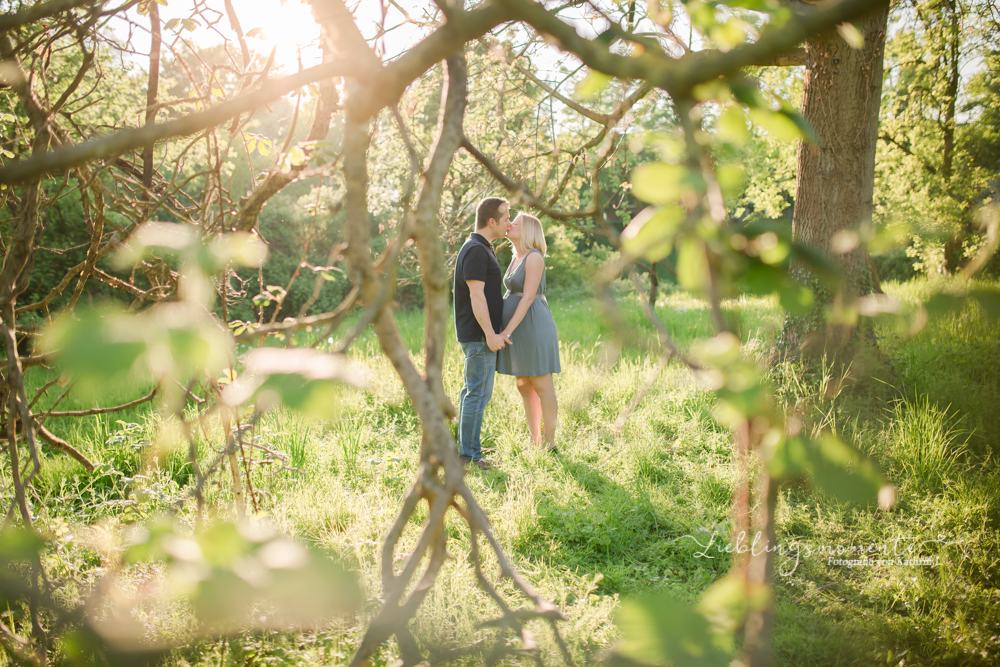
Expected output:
(482, 312)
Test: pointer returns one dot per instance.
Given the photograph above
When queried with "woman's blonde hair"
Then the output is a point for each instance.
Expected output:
(532, 235)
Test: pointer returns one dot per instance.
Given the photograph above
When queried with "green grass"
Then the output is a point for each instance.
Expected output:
(607, 517)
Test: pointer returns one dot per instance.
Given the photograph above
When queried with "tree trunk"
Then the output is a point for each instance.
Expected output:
(836, 177)
(952, 29)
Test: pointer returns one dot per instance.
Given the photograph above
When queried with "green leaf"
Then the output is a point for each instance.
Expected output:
(836, 468)
(716, 89)
(663, 631)
(171, 24)
(843, 473)
(727, 602)
(702, 14)
(732, 126)
(692, 265)
(247, 577)
(728, 35)
(295, 157)
(174, 339)
(788, 458)
(18, 544)
(243, 248)
(301, 379)
(169, 238)
(660, 183)
(651, 233)
(95, 346)
(730, 178)
(796, 299)
(778, 125)
(763, 6)
(889, 237)
(722, 350)
(851, 35)
(594, 83)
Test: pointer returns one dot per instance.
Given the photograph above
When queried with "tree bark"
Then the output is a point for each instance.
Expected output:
(952, 30)
(836, 176)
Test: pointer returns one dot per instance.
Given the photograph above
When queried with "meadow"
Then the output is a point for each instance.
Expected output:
(617, 512)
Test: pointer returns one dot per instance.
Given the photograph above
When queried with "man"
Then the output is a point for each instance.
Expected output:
(478, 314)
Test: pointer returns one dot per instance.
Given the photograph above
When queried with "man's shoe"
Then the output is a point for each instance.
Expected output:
(482, 464)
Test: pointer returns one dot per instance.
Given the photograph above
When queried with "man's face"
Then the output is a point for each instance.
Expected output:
(503, 224)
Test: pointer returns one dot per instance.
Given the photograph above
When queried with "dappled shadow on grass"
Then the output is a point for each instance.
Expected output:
(620, 532)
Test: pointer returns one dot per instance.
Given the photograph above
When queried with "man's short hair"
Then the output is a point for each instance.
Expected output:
(487, 209)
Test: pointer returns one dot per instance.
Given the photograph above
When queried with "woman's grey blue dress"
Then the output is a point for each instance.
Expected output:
(535, 348)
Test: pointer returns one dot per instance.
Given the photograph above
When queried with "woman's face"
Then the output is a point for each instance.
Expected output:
(514, 231)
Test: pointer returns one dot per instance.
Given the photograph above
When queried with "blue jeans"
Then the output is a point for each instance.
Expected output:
(480, 370)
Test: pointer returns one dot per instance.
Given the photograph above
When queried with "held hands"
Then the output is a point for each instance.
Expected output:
(497, 342)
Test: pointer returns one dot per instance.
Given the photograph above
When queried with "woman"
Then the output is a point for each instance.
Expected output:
(533, 353)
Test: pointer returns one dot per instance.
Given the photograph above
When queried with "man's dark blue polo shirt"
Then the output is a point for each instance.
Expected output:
(477, 261)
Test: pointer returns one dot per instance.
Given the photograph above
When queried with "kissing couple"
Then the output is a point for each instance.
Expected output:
(512, 333)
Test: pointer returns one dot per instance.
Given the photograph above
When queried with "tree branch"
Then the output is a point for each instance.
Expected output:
(60, 160)
(678, 76)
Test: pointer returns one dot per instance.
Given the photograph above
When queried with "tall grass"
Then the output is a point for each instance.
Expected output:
(618, 513)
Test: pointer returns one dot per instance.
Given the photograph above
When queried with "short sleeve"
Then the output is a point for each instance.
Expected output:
(476, 264)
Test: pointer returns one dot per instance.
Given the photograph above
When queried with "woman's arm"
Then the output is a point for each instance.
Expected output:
(534, 266)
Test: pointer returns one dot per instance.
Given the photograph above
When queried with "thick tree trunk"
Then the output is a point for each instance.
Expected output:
(836, 175)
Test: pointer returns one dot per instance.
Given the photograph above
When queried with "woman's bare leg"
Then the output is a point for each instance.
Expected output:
(546, 392)
(532, 407)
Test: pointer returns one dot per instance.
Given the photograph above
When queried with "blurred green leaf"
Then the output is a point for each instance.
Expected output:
(730, 177)
(836, 468)
(184, 243)
(662, 631)
(779, 125)
(19, 544)
(788, 458)
(102, 346)
(668, 146)
(796, 299)
(851, 35)
(659, 183)
(732, 125)
(716, 89)
(729, 35)
(727, 602)
(721, 350)
(692, 265)
(246, 577)
(702, 14)
(889, 237)
(302, 379)
(763, 6)
(96, 345)
(651, 233)
(820, 265)
(593, 84)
